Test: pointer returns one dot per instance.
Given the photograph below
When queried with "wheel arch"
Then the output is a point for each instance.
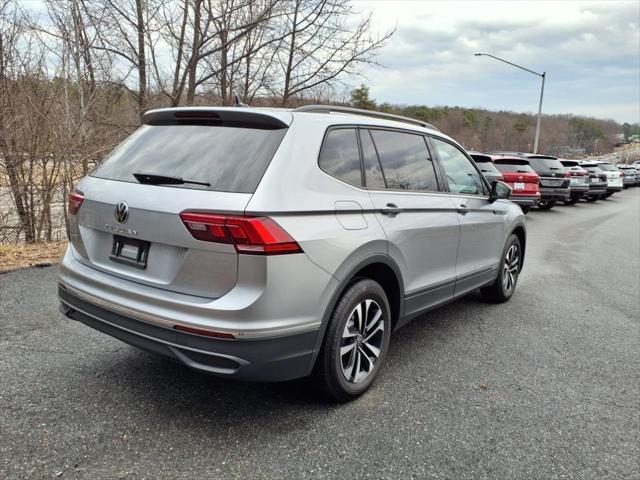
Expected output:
(380, 268)
(520, 232)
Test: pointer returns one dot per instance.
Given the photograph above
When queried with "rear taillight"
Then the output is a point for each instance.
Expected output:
(567, 174)
(74, 202)
(249, 235)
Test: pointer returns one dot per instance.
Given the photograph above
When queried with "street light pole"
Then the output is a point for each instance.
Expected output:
(543, 75)
(535, 143)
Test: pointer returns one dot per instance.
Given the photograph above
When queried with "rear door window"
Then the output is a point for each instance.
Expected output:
(462, 176)
(340, 157)
(230, 159)
(405, 160)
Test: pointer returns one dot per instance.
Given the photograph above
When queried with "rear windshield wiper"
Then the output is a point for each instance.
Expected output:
(151, 179)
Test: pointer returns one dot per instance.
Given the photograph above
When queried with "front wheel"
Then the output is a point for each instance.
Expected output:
(546, 204)
(504, 286)
(356, 342)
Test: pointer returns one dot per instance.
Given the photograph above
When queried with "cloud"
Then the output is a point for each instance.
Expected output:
(590, 51)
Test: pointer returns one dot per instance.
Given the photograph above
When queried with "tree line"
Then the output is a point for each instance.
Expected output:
(485, 130)
(76, 77)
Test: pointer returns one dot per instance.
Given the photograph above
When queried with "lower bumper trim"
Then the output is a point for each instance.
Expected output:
(264, 360)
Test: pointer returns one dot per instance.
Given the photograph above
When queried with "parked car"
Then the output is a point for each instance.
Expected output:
(524, 182)
(614, 178)
(629, 175)
(488, 169)
(597, 181)
(554, 179)
(191, 240)
(579, 181)
(637, 167)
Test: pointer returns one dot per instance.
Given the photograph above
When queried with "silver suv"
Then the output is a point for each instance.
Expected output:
(270, 244)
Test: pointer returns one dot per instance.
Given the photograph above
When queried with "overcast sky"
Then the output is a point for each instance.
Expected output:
(590, 51)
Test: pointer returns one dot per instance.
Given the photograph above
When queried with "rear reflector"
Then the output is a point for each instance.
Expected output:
(74, 202)
(202, 331)
(249, 235)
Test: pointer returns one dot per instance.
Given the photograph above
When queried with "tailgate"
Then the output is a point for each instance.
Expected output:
(170, 257)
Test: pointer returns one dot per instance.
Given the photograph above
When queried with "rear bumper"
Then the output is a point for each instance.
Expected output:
(271, 323)
(579, 189)
(597, 189)
(264, 360)
(554, 193)
(525, 200)
(611, 189)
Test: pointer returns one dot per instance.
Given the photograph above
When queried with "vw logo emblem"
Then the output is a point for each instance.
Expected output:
(122, 212)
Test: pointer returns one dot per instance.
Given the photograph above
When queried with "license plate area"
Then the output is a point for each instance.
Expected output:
(130, 251)
(518, 186)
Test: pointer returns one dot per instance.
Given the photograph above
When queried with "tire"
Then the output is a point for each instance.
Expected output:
(606, 195)
(546, 204)
(342, 374)
(502, 289)
(571, 201)
(593, 198)
(525, 209)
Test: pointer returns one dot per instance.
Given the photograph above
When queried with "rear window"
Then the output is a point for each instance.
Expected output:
(486, 167)
(542, 163)
(514, 167)
(231, 159)
(607, 167)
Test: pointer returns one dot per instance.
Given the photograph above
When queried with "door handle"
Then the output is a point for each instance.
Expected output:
(391, 210)
(462, 210)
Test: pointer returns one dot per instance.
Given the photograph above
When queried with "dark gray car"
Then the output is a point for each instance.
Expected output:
(486, 166)
(579, 181)
(597, 181)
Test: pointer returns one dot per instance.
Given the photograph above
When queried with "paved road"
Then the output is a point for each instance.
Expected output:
(560, 363)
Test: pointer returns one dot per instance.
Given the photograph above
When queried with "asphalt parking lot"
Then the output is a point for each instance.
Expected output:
(544, 386)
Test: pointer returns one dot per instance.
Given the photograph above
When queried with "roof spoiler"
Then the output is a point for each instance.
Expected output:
(229, 117)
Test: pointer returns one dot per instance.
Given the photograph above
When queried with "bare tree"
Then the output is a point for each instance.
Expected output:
(322, 46)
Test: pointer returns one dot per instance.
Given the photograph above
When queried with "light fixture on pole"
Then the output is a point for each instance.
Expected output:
(542, 75)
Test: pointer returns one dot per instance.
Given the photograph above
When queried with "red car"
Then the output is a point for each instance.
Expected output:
(518, 174)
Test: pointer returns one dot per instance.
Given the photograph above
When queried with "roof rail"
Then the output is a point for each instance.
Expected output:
(364, 113)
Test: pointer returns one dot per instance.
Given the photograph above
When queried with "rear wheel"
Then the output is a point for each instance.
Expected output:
(356, 342)
(504, 286)
(606, 195)
(525, 209)
(546, 204)
(571, 201)
(593, 198)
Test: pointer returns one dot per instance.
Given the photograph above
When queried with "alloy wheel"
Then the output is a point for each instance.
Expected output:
(362, 341)
(510, 269)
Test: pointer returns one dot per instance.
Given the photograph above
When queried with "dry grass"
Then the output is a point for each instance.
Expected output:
(21, 256)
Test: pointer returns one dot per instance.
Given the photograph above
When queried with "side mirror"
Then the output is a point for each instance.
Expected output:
(499, 190)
